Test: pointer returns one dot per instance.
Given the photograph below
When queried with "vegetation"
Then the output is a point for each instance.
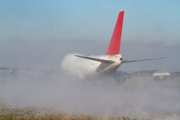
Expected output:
(37, 114)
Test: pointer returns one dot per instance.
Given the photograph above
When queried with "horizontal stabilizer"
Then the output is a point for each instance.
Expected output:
(127, 61)
(96, 59)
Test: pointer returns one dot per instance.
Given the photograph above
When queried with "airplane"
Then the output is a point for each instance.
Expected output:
(87, 66)
(84, 66)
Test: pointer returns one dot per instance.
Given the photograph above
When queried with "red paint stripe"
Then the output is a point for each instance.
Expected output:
(115, 43)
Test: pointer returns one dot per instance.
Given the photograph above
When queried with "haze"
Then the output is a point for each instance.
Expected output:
(36, 35)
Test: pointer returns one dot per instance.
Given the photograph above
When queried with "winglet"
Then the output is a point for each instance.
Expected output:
(114, 46)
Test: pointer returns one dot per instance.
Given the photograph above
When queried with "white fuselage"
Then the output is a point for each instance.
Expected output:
(84, 67)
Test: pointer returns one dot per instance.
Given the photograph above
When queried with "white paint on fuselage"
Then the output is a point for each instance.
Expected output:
(85, 67)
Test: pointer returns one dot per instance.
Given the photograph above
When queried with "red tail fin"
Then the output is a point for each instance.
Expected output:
(114, 46)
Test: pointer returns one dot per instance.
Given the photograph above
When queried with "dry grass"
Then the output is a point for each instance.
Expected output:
(42, 114)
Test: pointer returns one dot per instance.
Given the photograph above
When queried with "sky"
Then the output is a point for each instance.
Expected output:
(37, 29)
(87, 20)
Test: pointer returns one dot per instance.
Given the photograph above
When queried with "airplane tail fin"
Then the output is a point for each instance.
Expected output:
(114, 46)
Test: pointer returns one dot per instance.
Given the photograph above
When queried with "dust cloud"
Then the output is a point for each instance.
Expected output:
(140, 97)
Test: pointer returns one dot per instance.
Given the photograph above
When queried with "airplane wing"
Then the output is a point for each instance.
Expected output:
(96, 59)
(21, 73)
(4, 68)
(127, 61)
(12, 70)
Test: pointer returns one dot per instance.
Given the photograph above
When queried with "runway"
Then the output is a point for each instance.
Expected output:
(136, 97)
